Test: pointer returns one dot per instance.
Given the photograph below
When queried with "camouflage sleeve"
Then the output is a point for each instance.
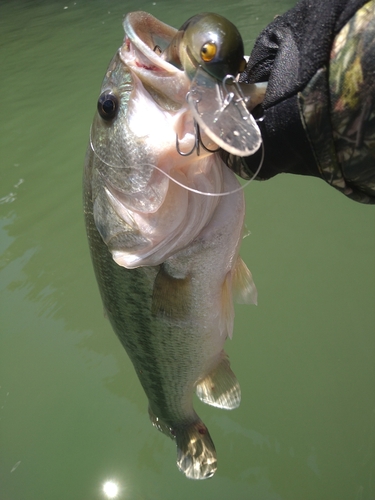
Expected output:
(337, 108)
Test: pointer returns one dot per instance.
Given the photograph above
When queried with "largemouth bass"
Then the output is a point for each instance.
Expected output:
(166, 257)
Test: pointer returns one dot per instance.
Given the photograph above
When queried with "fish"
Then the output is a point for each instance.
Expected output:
(164, 231)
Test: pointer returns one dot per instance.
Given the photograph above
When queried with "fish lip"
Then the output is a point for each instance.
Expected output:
(142, 30)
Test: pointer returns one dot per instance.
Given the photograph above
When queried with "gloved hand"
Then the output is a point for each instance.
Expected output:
(293, 54)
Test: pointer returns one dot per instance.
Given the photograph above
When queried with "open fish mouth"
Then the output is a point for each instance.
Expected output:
(145, 39)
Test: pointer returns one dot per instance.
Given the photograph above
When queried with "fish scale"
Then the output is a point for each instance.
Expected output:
(149, 342)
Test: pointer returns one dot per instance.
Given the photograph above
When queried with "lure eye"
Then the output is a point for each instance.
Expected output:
(208, 51)
(107, 106)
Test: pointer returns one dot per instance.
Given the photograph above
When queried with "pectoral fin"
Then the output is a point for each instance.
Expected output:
(220, 388)
(171, 296)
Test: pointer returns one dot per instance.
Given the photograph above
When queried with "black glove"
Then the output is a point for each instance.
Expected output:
(287, 55)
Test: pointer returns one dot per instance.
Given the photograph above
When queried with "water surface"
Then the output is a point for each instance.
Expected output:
(72, 412)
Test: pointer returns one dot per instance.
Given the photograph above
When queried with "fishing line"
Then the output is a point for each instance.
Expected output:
(196, 191)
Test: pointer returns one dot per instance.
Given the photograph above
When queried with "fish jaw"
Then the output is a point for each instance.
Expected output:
(143, 33)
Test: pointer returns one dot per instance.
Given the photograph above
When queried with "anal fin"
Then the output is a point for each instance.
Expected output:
(220, 387)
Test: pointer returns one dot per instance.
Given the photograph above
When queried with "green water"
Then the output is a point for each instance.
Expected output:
(72, 412)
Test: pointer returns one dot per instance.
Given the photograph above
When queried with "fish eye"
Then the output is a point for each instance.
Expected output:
(107, 106)
(208, 51)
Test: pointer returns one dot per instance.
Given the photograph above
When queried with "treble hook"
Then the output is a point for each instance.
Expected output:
(197, 143)
(230, 96)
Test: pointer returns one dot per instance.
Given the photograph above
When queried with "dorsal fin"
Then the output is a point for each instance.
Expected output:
(244, 289)
(238, 285)
(220, 387)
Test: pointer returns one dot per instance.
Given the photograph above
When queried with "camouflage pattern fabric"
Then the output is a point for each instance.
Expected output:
(337, 108)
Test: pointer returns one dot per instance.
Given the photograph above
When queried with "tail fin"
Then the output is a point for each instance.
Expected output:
(196, 454)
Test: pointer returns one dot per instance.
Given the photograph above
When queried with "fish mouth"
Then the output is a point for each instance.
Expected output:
(145, 39)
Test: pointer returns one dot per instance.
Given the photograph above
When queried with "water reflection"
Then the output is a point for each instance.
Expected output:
(111, 489)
